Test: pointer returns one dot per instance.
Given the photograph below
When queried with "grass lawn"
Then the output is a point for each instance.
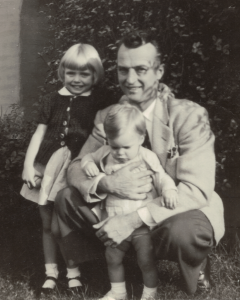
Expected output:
(22, 267)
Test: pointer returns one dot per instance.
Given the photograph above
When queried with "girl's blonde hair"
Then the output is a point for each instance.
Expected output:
(82, 56)
(121, 117)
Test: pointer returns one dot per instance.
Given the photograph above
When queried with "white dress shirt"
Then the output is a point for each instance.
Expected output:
(143, 212)
(148, 115)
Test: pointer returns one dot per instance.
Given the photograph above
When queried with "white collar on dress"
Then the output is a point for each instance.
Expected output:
(65, 92)
(148, 113)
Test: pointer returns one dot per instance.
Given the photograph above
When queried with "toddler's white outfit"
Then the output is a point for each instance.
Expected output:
(149, 160)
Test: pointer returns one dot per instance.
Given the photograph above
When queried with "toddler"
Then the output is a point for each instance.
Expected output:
(125, 130)
(65, 121)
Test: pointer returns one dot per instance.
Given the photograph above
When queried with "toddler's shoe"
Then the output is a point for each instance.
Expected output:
(149, 297)
(111, 296)
(75, 285)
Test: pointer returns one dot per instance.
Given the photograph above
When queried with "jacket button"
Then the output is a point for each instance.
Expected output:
(62, 143)
(61, 135)
(64, 123)
(68, 109)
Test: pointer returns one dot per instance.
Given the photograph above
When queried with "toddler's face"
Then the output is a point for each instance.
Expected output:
(126, 146)
(78, 81)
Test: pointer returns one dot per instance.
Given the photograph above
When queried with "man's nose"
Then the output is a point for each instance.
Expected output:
(132, 76)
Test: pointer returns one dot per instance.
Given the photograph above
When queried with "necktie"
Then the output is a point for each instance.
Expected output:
(146, 143)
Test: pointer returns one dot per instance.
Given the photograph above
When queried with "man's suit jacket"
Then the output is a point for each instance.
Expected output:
(184, 143)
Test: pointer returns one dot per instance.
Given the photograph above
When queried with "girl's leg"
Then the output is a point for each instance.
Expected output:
(57, 234)
(73, 272)
(49, 246)
(114, 257)
(147, 263)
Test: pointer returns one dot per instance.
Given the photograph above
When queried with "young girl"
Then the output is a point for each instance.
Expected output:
(64, 123)
(125, 131)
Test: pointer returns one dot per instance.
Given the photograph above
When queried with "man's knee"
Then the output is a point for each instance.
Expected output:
(61, 198)
(186, 233)
(65, 196)
(191, 228)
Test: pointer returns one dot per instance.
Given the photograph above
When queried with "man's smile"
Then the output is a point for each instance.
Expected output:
(133, 88)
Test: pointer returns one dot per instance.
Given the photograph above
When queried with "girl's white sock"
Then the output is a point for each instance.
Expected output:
(149, 293)
(118, 289)
(51, 270)
(73, 273)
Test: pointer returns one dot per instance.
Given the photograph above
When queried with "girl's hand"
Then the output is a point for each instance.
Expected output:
(28, 176)
(91, 169)
(170, 199)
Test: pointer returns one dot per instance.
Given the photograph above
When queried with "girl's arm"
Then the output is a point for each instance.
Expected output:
(28, 169)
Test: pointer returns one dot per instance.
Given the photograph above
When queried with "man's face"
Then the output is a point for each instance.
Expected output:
(139, 73)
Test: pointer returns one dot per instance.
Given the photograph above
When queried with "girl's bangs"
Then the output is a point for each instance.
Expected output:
(77, 63)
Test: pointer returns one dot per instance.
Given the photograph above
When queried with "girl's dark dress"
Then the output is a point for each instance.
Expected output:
(70, 120)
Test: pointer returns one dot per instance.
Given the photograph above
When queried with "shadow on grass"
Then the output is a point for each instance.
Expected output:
(22, 266)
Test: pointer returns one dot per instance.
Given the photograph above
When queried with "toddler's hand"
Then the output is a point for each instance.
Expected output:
(28, 176)
(91, 169)
(170, 199)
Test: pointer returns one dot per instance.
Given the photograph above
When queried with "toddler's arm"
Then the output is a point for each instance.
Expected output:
(89, 165)
(28, 169)
(170, 198)
(91, 169)
(169, 191)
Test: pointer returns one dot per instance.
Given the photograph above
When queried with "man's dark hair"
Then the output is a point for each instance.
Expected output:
(139, 38)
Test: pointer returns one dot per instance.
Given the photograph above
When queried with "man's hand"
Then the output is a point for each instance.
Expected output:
(170, 199)
(114, 230)
(126, 184)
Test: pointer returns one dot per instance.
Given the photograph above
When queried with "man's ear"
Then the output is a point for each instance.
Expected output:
(141, 139)
(160, 71)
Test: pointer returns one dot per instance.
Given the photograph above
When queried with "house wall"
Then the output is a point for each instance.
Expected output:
(34, 36)
(24, 31)
(9, 52)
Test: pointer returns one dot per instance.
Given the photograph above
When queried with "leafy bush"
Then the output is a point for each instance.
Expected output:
(15, 134)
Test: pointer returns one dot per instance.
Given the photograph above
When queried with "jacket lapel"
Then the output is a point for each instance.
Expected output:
(161, 139)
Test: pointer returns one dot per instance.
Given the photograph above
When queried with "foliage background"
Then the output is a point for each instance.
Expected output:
(199, 43)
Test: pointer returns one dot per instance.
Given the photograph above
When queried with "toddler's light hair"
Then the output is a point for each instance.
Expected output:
(120, 118)
(80, 57)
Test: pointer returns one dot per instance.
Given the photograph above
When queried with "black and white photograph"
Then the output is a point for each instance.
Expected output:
(120, 149)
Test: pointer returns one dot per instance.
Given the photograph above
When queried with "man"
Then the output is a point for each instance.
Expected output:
(180, 135)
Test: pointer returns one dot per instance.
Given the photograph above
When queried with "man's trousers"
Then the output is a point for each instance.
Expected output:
(186, 238)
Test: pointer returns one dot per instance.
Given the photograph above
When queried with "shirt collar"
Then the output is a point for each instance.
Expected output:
(148, 113)
(65, 92)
